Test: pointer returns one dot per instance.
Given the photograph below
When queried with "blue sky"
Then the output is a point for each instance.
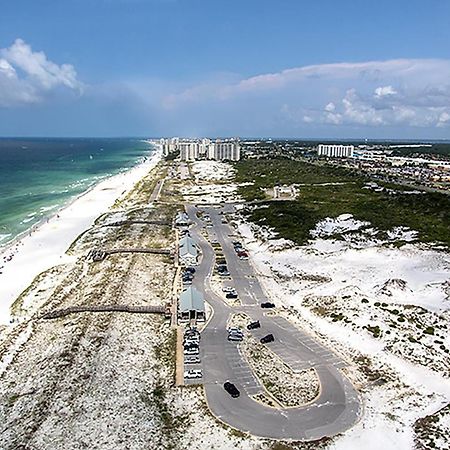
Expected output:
(285, 68)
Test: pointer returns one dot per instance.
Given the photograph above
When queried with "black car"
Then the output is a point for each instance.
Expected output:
(267, 305)
(231, 295)
(253, 325)
(267, 339)
(190, 345)
(231, 389)
(189, 269)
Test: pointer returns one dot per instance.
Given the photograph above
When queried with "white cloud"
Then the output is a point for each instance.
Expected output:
(26, 76)
(384, 91)
(404, 92)
(444, 119)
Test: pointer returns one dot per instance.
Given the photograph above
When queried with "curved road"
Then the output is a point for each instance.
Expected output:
(335, 409)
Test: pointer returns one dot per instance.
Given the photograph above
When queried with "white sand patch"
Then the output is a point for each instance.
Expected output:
(341, 224)
(343, 274)
(212, 171)
(46, 247)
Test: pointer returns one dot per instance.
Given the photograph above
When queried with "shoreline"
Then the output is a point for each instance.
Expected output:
(45, 246)
(8, 245)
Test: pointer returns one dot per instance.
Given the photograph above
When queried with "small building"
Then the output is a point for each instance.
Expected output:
(187, 251)
(191, 306)
(182, 219)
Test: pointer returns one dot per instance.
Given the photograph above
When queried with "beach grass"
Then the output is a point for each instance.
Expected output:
(426, 212)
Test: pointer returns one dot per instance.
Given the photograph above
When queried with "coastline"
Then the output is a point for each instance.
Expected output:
(45, 245)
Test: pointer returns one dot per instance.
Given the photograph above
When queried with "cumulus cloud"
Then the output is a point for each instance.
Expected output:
(27, 76)
(384, 91)
(404, 92)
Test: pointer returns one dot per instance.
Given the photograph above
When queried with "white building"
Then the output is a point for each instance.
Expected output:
(335, 151)
(189, 151)
(187, 251)
(169, 145)
(224, 150)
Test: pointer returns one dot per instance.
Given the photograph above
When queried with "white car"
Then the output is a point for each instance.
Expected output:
(235, 337)
(192, 374)
(192, 351)
(235, 330)
(192, 360)
(228, 289)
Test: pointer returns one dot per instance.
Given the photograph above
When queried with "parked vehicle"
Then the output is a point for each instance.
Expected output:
(191, 332)
(253, 325)
(242, 255)
(267, 305)
(191, 344)
(231, 295)
(192, 360)
(231, 389)
(234, 337)
(192, 374)
(267, 339)
(228, 289)
(190, 269)
(235, 330)
(191, 351)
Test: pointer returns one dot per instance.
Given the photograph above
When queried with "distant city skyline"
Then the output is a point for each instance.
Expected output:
(312, 70)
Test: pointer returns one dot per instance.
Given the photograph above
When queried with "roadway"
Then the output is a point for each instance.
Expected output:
(337, 406)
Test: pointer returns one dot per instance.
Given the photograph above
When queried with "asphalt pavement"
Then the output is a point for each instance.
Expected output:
(336, 408)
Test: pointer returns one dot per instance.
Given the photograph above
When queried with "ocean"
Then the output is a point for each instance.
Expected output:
(39, 176)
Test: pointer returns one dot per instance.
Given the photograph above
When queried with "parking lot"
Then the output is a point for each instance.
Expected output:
(337, 406)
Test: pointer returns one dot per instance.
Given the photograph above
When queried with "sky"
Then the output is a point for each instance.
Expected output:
(249, 68)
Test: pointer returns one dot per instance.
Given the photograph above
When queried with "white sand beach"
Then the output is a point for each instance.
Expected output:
(46, 246)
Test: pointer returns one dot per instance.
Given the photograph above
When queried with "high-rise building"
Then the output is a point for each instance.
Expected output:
(224, 150)
(335, 151)
(191, 150)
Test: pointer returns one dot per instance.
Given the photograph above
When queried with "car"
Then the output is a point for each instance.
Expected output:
(234, 337)
(191, 351)
(190, 269)
(235, 330)
(267, 339)
(231, 389)
(253, 325)
(192, 332)
(192, 360)
(267, 305)
(231, 295)
(190, 345)
(228, 289)
(192, 374)
(191, 342)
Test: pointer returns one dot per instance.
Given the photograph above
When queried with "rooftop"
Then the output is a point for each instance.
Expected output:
(191, 299)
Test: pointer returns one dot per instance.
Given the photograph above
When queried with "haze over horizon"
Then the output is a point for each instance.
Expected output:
(253, 68)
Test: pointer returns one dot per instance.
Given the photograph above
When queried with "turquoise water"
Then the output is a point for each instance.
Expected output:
(39, 176)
